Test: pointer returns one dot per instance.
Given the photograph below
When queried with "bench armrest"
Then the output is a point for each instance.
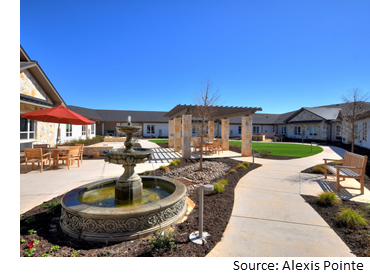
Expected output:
(347, 166)
(46, 154)
(333, 160)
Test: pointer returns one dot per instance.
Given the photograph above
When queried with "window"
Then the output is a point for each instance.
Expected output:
(92, 129)
(68, 130)
(364, 131)
(283, 130)
(150, 129)
(27, 129)
(256, 129)
(239, 130)
(231, 132)
(337, 131)
(193, 129)
(297, 130)
(84, 130)
(313, 130)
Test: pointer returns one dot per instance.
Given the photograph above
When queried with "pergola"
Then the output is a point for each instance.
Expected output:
(180, 128)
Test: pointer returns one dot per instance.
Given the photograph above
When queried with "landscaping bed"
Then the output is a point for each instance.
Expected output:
(217, 211)
(356, 238)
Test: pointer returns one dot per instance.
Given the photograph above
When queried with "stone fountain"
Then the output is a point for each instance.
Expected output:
(125, 208)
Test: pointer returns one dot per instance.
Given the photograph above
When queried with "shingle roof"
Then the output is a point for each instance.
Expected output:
(257, 118)
(121, 115)
(325, 113)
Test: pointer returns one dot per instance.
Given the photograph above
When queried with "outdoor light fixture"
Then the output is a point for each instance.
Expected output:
(199, 237)
(253, 155)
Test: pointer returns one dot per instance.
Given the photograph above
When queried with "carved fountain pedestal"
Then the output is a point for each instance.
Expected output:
(129, 186)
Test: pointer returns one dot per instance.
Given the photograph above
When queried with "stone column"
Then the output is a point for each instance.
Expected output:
(186, 133)
(246, 136)
(211, 130)
(177, 137)
(171, 133)
(225, 133)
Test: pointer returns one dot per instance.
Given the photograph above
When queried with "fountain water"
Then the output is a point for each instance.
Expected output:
(131, 207)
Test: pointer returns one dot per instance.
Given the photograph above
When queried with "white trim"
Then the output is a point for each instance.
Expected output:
(35, 104)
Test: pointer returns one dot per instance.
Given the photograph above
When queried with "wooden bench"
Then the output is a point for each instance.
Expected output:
(354, 166)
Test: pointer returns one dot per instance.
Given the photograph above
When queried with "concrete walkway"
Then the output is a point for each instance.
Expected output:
(271, 219)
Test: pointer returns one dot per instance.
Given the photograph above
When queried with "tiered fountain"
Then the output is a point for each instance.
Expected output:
(125, 208)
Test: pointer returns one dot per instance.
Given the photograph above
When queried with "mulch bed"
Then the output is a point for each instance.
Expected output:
(357, 239)
(217, 212)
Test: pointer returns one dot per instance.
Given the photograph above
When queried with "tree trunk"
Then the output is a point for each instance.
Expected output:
(201, 147)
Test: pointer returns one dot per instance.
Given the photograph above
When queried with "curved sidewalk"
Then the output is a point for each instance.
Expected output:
(271, 219)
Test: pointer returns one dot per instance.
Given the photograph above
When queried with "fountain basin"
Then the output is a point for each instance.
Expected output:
(93, 223)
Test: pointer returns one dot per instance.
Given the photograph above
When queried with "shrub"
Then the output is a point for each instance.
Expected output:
(223, 182)
(173, 163)
(218, 188)
(240, 166)
(147, 172)
(320, 168)
(265, 153)
(30, 219)
(328, 198)
(165, 168)
(246, 163)
(163, 239)
(232, 171)
(351, 218)
(54, 248)
(177, 161)
(52, 204)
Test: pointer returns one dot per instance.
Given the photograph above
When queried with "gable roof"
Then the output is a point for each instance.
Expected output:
(39, 75)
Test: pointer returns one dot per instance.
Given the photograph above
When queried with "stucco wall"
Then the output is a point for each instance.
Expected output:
(158, 126)
(76, 132)
(360, 141)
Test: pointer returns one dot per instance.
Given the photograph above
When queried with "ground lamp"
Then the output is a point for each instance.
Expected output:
(199, 237)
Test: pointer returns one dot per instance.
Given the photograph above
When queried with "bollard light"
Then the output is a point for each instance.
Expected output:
(253, 155)
(199, 237)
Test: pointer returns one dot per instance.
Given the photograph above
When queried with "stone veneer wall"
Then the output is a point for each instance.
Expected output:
(30, 87)
(322, 127)
(44, 131)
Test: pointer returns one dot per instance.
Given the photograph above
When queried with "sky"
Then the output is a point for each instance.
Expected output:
(153, 55)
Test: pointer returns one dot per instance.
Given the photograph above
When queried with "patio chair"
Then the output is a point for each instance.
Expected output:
(197, 147)
(81, 150)
(33, 156)
(216, 147)
(70, 155)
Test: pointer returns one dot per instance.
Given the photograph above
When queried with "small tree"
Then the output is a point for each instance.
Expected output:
(205, 109)
(354, 106)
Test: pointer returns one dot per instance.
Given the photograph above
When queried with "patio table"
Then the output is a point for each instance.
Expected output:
(56, 151)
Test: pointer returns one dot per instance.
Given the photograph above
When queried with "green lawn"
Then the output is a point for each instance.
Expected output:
(159, 140)
(283, 149)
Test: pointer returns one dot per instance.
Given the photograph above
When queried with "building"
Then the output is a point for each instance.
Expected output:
(36, 93)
